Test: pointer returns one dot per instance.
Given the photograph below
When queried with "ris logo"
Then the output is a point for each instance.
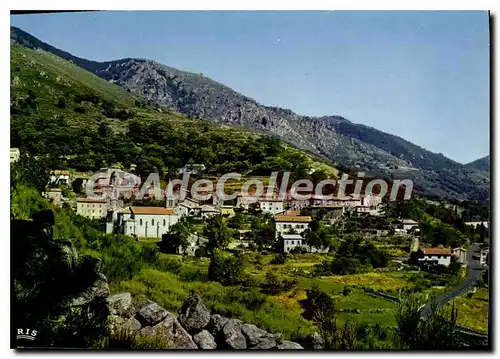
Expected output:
(26, 334)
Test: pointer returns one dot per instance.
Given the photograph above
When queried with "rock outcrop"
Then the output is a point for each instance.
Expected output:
(195, 328)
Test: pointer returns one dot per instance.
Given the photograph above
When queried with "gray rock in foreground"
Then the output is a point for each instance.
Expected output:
(119, 304)
(194, 315)
(233, 337)
(151, 313)
(285, 345)
(205, 340)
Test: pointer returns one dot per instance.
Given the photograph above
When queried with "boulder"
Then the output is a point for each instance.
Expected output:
(265, 343)
(253, 334)
(233, 337)
(286, 345)
(205, 340)
(119, 304)
(150, 313)
(175, 333)
(132, 324)
(217, 322)
(194, 315)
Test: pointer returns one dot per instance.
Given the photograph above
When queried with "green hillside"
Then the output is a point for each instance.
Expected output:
(81, 121)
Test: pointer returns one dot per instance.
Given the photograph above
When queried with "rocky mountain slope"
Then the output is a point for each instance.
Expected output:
(482, 164)
(350, 146)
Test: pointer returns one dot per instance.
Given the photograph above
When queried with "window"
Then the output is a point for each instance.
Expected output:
(140, 222)
(153, 222)
(164, 222)
(293, 242)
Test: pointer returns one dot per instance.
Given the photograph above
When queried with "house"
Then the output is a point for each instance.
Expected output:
(331, 213)
(59, 177)
(245, 201)
(373, 201)
(370, 210)
(273, 206)
(15, 154)
(54, 195)
(150, 222)
(461, 255)
(287, 242)
(91, 207)
(112, 220)
(227, 210)
(208, 210)
(405, 225)
(408, 224)
(287, 224)
(440, 256)
(188, 207)
(484, 258)
(371, 205)
(193, 169)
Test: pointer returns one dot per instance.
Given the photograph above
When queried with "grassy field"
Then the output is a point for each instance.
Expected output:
(172, 282)
(473, 310)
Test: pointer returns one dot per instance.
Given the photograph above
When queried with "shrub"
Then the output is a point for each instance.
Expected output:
(279, 259)
(225, 268)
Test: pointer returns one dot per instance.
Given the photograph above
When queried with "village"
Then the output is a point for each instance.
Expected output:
(152, 220)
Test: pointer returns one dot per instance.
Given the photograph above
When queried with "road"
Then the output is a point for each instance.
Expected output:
(474, 270)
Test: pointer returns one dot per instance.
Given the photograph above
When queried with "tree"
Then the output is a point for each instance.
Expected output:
(225, 268)
(31, 172)
(177, 237)
(321, 309)
(217, 233)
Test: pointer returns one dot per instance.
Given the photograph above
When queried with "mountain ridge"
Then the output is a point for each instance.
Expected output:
(344, 143)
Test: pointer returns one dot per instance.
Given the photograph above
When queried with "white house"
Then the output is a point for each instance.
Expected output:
(273, 206)
(287, 224)
(287, 242)
(188, 207)
(54, 195)
(408, 224)
(245, 201)
(151, 222)
(92, 207)
(59, 177)
(436, 256)
(368, 209)
(208, 210)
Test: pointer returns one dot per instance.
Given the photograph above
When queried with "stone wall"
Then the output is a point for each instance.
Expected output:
(194, 328)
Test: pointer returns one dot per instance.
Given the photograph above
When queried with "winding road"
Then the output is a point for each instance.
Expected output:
(474, 271)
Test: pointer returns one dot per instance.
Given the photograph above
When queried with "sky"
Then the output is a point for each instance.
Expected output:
(423, 76)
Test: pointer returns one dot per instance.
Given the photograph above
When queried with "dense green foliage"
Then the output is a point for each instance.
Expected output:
(354, 255)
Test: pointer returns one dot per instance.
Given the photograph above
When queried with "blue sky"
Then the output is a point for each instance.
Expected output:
(423, 76)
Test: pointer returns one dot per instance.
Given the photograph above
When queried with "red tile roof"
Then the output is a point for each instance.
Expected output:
(436, 251)
(92, 200)
(152, 210)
